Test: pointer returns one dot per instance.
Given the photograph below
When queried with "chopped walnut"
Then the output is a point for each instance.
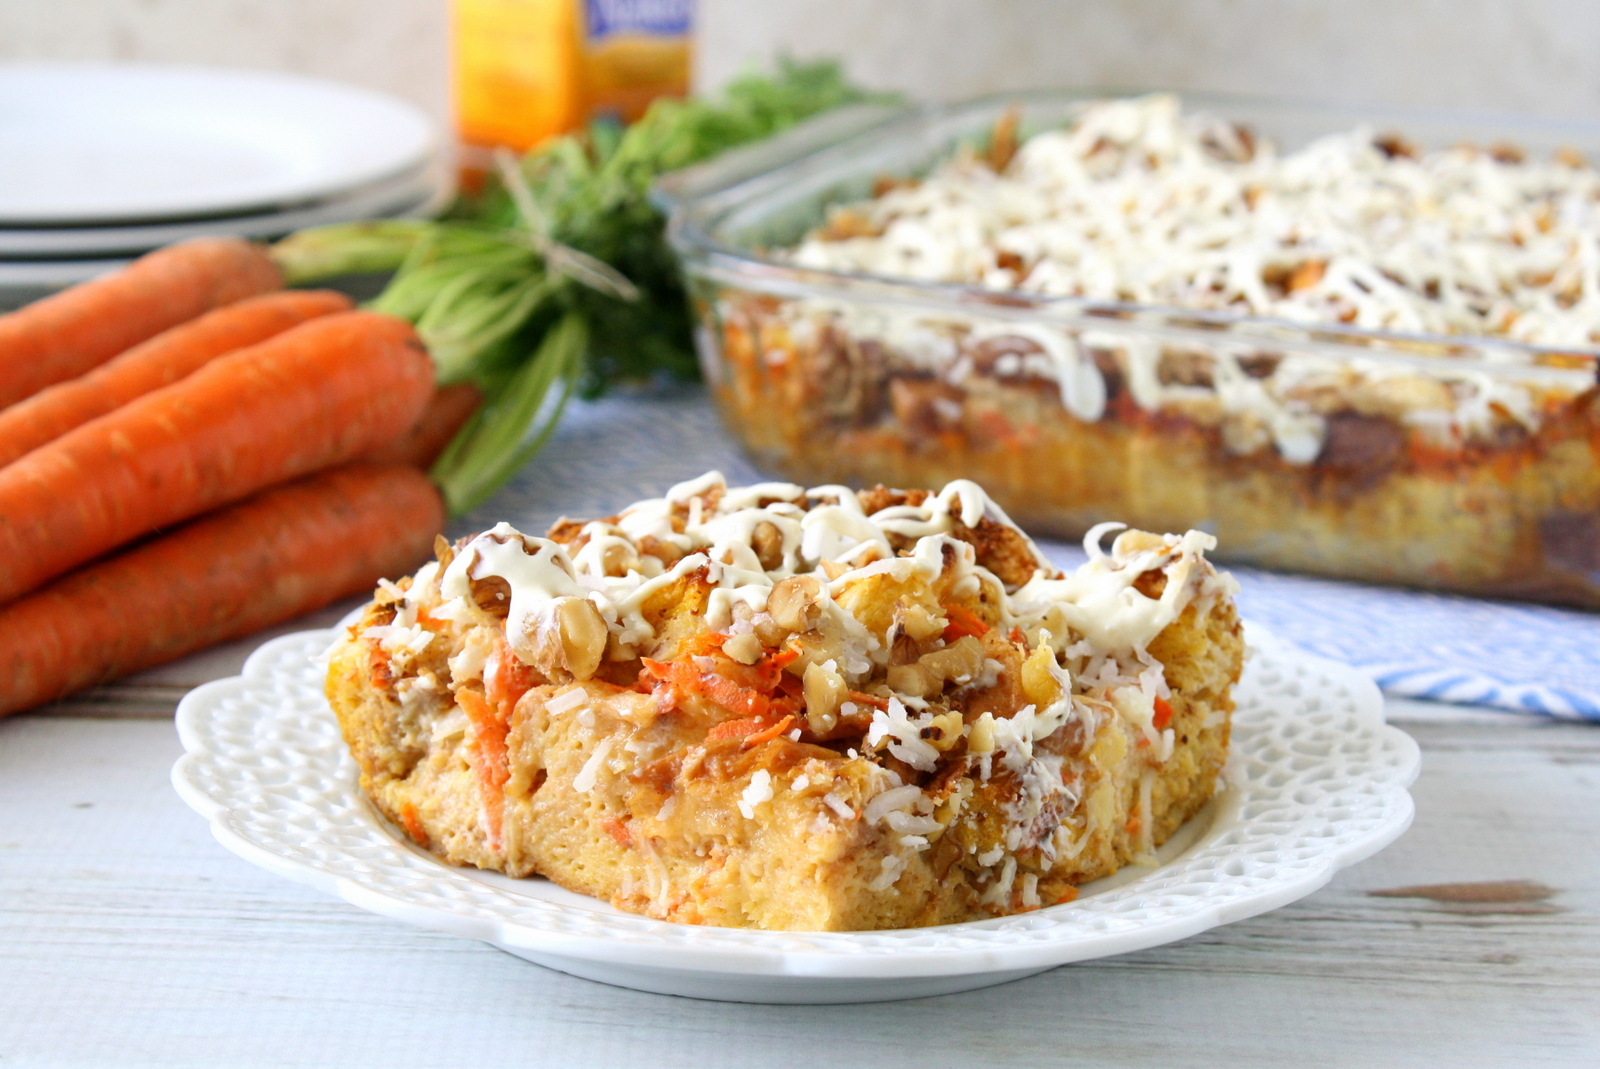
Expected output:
(959, 663)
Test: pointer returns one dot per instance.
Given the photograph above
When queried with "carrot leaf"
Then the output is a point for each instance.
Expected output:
(514, 424)
(374, 247)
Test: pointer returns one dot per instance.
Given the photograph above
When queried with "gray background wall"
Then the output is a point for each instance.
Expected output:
(1522, 55)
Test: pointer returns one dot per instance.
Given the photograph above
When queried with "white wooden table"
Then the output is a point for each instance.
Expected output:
(129, 937)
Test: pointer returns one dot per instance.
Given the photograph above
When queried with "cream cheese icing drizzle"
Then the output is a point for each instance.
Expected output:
(1136, 201)
(719, 529)
(1099, 600)
(537, 570)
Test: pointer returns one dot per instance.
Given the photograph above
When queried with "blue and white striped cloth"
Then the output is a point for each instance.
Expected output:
(1435, 647)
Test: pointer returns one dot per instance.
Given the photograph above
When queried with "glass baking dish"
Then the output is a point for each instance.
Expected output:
(833, 377)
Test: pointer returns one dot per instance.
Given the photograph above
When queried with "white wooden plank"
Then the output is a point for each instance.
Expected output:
(128, 937)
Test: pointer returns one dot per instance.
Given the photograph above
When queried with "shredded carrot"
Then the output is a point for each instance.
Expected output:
(618, 830)
(754, 730)
(1018, 638)
(731, 696)
(1163, 715)
(963, 622)
(1132, 826)
(488, 753)
(658, 671)
(737, 729)
(705, 644)
(770, 733)
(769, 670)
(763, 697)
(786, 705)
(506, 679)
(867, 699)
(413, 824)
(490, 735)
(689, 678)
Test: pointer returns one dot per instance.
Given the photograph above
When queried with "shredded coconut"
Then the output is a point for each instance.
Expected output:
(396, 640)
(585, 780)
(897, 798)
(1030, 891)
(838, 805)
(468, 663)
(566, 701)
(904, 735)
(999, 892)
(1137, 202)
(759, 790)
(893, 866)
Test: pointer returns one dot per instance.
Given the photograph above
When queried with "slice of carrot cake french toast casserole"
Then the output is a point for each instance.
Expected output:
(773, 707)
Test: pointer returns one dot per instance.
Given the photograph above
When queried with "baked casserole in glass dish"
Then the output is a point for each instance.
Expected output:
(1360, 343)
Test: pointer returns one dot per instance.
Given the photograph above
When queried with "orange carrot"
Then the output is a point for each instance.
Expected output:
(963, 622)
(282, 553)
(487, 754)
(325, 392)
(67, 333)
(412, 822)
(729, 694)
(737, 729)
(161, 361)
(770, 733)
(754, 730)
(769, 670)
(506, 679)
(447, 412)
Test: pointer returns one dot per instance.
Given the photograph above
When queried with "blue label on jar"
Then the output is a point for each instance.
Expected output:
(656, 18)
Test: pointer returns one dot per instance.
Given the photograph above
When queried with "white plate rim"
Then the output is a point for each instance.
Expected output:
(392, 135)
(38, 278)
(430, 182)
(1026, 942)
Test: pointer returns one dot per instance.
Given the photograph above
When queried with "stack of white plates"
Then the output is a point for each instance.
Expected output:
(100, 163)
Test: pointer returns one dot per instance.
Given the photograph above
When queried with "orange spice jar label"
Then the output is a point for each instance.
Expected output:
(528, 70)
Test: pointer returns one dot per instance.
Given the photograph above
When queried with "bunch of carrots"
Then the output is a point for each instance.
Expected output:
(189, 453)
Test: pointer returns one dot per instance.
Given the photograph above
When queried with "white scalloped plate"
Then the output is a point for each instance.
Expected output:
(1316, 781)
